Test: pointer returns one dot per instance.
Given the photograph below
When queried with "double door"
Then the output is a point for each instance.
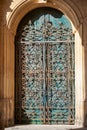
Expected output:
(45, 69)
(47, 92)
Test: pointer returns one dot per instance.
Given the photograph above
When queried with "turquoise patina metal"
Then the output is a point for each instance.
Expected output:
(45, 65)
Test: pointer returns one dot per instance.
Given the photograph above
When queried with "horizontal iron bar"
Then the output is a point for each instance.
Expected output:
(49, 71)
(59, 121)
(40, 91)
(57, 108)
(41, 42)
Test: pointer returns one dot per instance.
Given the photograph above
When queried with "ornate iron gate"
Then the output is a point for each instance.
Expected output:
(45, 81)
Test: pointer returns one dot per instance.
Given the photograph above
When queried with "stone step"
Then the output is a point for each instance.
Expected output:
(45, 127)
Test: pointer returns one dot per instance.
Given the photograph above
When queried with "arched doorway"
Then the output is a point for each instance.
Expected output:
(45, 63)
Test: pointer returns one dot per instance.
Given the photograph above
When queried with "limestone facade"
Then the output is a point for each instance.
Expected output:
(11, 13)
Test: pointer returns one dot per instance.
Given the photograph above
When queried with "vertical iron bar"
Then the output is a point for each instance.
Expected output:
(44, 80)
(46, 72)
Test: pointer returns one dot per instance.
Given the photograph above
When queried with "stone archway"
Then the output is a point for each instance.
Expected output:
(9, 80)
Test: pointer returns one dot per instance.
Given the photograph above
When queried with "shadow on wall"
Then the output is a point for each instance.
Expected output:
(79, 128)
(4, 8)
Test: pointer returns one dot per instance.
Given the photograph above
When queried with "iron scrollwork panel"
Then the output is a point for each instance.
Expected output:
(32, 76)
(60, 81)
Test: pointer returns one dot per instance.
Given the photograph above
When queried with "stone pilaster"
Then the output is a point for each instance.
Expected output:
(1, 77)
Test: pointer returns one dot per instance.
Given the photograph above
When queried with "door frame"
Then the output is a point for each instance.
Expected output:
(13, 20)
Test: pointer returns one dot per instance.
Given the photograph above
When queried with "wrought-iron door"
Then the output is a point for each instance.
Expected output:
(45, 69)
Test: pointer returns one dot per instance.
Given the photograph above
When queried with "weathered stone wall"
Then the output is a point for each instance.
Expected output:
(11, 12)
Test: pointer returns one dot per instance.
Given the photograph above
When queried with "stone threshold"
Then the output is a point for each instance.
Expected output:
(45, 127)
